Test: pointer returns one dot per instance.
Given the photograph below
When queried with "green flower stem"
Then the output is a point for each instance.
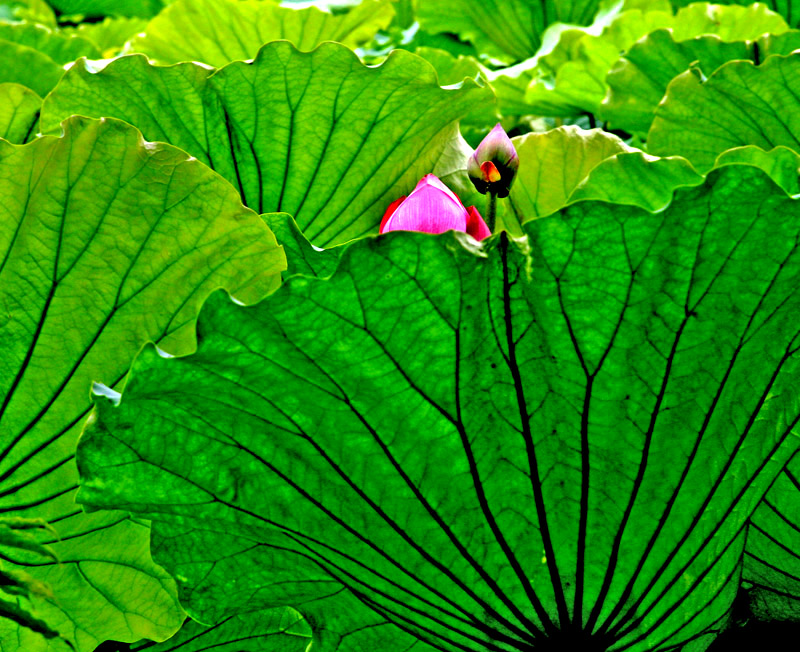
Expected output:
(492, 214)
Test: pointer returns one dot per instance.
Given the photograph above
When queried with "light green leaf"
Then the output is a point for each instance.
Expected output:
(572, 78)
(273, 630)
(634, 178)
(34, 11)
(639, 79)
(60, 47)
(110, 34)
(106, 242)
(20, 64)
(552, 164)
(486, 444)
(217, 32)
(317, 135)
(454, 70)
(568, 164)
(617, 174)
(739, 104)
(509, 29)
(19, 112)
(772, 555)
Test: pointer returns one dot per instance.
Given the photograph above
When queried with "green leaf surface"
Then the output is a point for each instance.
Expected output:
(552, 164)
(739, 104)
(19, 112)
(99, 8)
(61, 48)
(640, 78)
(509, 29)
(568, 164)
(572, 78)
(301, 256)
(35, 11)
(217, 32)
(273, 630)
(454, 70)
(110, 34)
(317, 135)
(20, 64)
(106, 242)
(13, 614)
(16, 533)
(634, 178)
(772, 555)
(481, 445)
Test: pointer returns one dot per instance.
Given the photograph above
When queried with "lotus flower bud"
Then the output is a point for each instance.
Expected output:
(493, 165)
(433, 208)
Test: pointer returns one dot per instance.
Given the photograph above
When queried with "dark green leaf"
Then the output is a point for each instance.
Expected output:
(98, 8)
(772, 555)
(482, 446)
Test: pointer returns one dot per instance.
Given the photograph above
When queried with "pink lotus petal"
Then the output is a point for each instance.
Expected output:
(389, 211)
(476, 227)
(431, 208)
(431, 180)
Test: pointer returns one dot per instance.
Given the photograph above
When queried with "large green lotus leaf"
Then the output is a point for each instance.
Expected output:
(217, 32)
(61, 48)
(483, 445)
(739, 104)
(772, 555)
(106, 242)
(509, 29)
(572, 78)
(19, 112)
(21, 64)
(274, 630)
(639, 79)
(97, 8)
(317, 135)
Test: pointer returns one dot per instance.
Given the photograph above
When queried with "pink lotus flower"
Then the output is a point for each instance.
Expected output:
(433, 208)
